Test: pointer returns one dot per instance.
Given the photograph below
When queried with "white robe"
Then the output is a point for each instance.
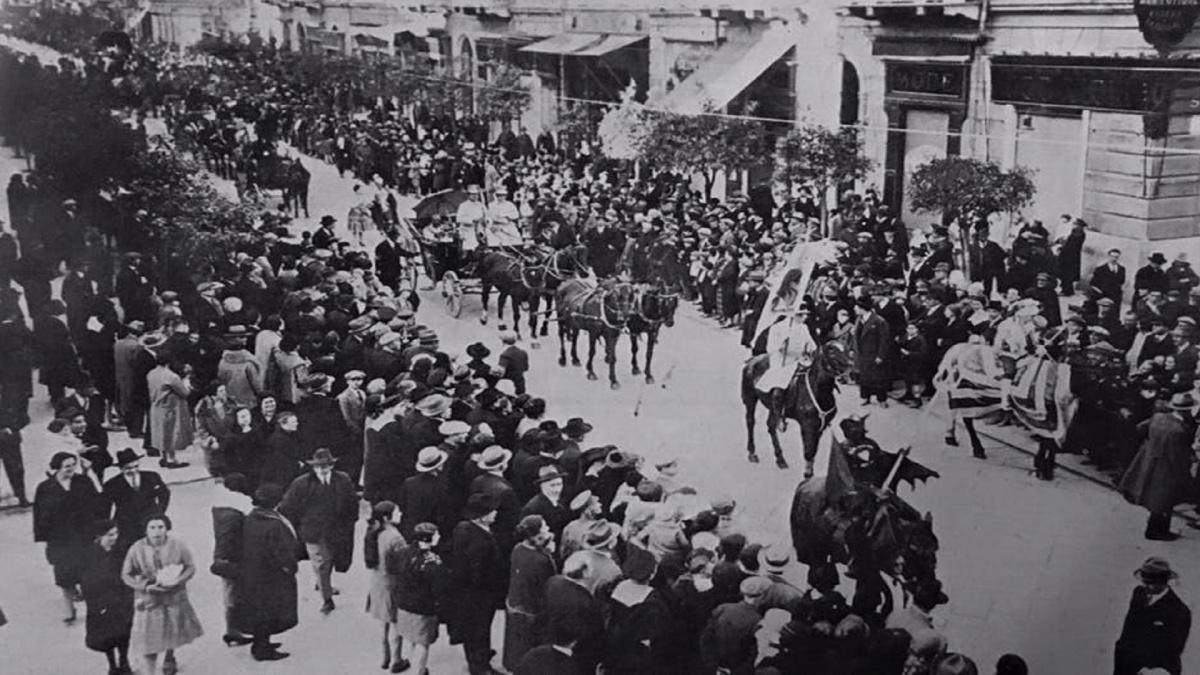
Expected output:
(502, 229)
(788, 344)
(470, 218)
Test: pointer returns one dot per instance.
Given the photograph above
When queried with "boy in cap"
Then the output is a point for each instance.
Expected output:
(514, 361)
(727, 642)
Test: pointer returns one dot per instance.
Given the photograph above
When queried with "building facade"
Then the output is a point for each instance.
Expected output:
(186, 22)
(1100, 98)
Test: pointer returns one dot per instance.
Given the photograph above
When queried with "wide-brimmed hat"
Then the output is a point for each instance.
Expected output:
(430, 459)
(494, 457)
(1182, 401)
(548, 473)
(577, 427)
(328, 220)
(601, 534)
(931, 592)
(479, 505)
(478, 350)
(433, 405)
(152, 340)
(1155, 569)
(452, 427)
(322, 457)
(1157, 258)
(127, 456)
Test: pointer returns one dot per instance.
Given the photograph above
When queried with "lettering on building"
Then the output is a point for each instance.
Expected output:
(924, 79)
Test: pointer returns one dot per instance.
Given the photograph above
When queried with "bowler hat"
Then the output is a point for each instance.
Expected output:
(477, 350)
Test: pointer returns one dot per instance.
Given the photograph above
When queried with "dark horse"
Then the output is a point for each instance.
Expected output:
(526, 278)
(655, 308)
(601, 310)
(809, 400)
(266, 171)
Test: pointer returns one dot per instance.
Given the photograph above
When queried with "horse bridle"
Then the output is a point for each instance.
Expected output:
(642, 294)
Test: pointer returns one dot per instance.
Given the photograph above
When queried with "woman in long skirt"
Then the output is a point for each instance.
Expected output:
(109, 600)
(157, 568)
(383, 549)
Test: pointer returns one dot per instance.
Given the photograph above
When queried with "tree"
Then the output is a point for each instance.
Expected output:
(505, 96)
(965, 190)
(703, 144)
(821, 158)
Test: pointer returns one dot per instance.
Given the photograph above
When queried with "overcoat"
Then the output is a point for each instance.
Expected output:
(1153, 635)
(872, 340)
(337, 530)
(170, 416)
(476, 584)
(266, 588)
(109, 600)
(131, 506)
(1159, 476)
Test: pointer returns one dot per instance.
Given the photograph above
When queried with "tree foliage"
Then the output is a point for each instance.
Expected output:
(505, 96)
(965, 188)
(816, 156)
(703, 144)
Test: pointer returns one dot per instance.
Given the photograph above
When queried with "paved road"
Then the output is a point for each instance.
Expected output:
(1041, 569)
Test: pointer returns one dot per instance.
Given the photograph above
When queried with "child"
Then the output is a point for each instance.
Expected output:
(914, 356)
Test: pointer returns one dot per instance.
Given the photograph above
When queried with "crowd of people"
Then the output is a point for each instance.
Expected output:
(308, 382)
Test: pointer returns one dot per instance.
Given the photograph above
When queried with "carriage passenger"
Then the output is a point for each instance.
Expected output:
(471, 219)
(503, 223)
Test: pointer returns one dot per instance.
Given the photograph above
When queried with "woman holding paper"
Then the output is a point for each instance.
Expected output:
(158, 568)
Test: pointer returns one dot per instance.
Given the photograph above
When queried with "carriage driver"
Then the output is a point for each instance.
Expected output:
(472, 221)
(789, 345)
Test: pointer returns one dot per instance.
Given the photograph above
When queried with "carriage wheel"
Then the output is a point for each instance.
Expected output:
(453, 292)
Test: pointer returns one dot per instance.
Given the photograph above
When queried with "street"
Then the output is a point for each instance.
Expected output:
(1040, 569)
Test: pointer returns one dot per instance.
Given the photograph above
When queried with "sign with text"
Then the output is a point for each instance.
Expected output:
(1078, 87)
(1164, 23)
(927, 79)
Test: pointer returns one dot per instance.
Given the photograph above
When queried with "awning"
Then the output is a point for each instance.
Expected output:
(564, 43)
(608, 44)
(727, 73)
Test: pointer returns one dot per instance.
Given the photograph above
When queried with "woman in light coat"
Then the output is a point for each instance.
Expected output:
(382, 550)
(170, 415)
(157, 568)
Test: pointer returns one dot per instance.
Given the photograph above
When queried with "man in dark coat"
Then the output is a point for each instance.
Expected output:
(1152, 277)
(493, 463)
(387, 260)
(570, 604)
(555, 658)
(1109, 278)
(425, 497)
(548, 503)
(873, 343)
(1044, 293)
(322, 508)
(58, 358)
(321, 421)
(134, 495)
(266, 587)
(1159, 477)
(514, 361)
(134, 291)
(1070, 255)
(477, 582)
(324, 236)
(1156, 626)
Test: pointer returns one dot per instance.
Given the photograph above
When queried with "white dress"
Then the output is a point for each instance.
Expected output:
(789, 343)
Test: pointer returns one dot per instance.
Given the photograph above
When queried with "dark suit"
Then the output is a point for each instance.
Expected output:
(515, 362)
(507, 511)
(477, 581)
(323, 516)
(873, 341)
(131, 507)
(1153, 636)
(569, 604)
(387, 262)
(425, 498)
(556, 515)
(1110, 283)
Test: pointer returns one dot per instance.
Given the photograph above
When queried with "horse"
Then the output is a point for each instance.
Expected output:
(526, 278)
(602, 311)
(654, 309)
(808, 400)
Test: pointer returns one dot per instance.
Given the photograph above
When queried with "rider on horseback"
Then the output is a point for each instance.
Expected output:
(790, 345)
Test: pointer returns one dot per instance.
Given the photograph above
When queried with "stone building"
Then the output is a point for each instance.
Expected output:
(1101, 98)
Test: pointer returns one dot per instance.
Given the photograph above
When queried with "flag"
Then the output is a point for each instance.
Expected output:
(789, 282)
(1041, 397)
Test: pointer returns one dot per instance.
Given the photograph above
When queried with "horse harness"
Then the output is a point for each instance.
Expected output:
(602, 294)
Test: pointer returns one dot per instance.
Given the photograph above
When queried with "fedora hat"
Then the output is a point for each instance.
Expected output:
(322, 457)
(549, 473)
(577, 427)
(328, 220)
(1157, 258)
(1155, 569)
(127, 456)
(478, 350)
(1182, 401)
(315, 381)
(430, 459)
(602, 534)
(433, 405)
(360, 324)
(494, 457)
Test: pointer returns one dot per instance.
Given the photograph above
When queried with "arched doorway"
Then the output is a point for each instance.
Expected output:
(850, 89)
(466, 71)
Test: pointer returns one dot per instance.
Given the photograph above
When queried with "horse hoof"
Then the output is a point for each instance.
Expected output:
(753, 458)
(614, 385)
(592, 376)
(636, 371)
(808, 473)
(576, 362)
(649, 379)
(483, 320)
(781, 462)
(562, 362)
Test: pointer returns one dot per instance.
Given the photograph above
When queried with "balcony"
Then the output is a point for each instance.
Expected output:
(905, 11)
